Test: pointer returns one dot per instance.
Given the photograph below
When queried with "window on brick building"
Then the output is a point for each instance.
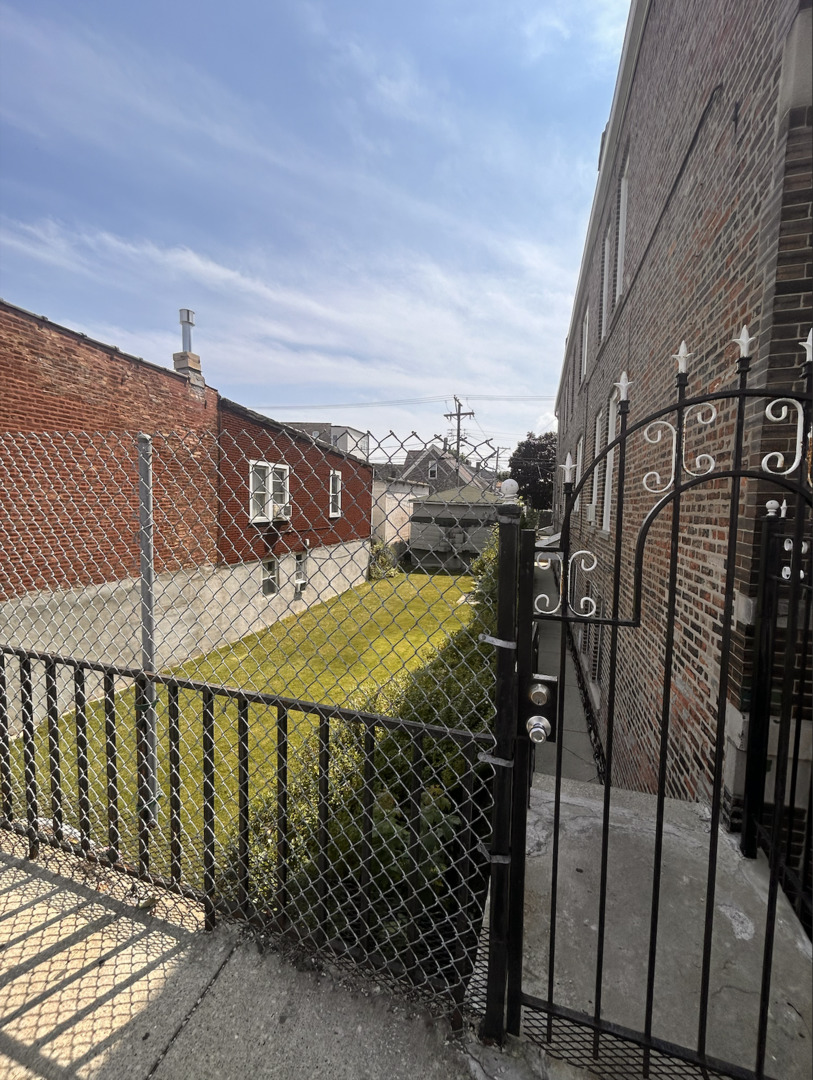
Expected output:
(592, 638)
(270, 577)
(592, 510)
(605, 311)
(579, 465)
(269, 495)
(612, 421)
(335, 493)
(301, 572)
(621, 231)
(583, 343)
(596, 641)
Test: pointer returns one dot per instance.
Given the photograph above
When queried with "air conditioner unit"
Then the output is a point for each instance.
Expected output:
(282, 511)
(300, 584)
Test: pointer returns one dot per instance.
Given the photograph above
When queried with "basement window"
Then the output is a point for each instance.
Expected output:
(270, 578)
(301, 572)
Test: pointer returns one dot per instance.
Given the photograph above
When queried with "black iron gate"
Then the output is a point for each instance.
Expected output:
(690, 621)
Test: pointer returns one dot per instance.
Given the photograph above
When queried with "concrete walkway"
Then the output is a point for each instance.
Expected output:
(738, 928)
(92, 988)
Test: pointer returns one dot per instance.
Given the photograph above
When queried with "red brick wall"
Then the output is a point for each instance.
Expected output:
(71, 489)
(70, 476)
(53, 379)
(246, 437)
(718, 234)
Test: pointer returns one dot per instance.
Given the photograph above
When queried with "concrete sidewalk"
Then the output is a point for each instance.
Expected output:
(93, 987)
(738, 927)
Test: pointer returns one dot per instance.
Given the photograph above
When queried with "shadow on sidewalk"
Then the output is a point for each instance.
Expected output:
(80, 967)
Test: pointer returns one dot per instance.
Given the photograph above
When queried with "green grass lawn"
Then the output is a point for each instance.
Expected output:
(338, 652)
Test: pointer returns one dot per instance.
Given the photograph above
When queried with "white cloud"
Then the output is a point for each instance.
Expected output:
(543, 31)
(385, 287)
(405, 328)
(598, 25)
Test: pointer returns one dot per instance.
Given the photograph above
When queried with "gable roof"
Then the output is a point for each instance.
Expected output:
(468, 494)
(436, 453)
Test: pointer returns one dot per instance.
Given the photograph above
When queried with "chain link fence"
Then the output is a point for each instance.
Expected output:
(245, 671)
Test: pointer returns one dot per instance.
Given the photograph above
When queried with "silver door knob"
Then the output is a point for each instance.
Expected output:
(539, 729)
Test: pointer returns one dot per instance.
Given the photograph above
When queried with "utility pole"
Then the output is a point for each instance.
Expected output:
(457, 415)
(500, 449)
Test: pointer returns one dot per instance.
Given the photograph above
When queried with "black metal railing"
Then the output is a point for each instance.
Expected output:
(354, 831)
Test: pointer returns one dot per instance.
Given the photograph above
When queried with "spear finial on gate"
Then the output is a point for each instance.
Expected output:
(745, 342)
(569, 468)
(623, 385)
(682, 355)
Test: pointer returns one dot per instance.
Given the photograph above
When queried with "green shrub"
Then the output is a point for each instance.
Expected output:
(396, 901)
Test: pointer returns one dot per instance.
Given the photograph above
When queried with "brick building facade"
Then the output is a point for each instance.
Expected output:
(701, 223)
(230, 555)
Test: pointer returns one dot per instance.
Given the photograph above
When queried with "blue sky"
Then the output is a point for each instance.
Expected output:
(362, 201)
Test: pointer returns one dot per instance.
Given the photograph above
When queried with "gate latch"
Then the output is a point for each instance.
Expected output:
(489, 759)
(501, 643)
(498, 859)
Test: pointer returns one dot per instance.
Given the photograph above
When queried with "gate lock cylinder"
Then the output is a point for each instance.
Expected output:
(539, 694)
(539, 729)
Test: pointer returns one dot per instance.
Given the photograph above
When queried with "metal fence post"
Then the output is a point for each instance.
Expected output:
(147, 572)
(523, 768)
(505, 732)
(762, 683)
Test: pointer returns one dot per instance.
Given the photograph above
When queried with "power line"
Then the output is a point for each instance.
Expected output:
(408, 401)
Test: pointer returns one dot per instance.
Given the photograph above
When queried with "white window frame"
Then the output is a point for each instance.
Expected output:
(579, 463)
(605, 285)
(621, 232)
(591, 517)
(270, 576)
(335, 494)
(612, 424)
(433, 470)
(300, 571)
(585, 328)
(270, 499)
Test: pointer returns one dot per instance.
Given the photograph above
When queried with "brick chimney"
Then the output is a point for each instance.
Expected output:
(186, 362)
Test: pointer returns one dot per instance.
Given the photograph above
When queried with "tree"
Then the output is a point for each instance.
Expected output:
(533, 466)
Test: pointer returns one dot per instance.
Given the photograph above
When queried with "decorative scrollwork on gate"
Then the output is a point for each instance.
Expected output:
(777, 411)
(704, 463)
(653, 434)
(586, 603)
(704, 414)
(544, 599)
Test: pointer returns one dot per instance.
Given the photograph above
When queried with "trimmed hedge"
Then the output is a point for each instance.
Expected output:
(393, 903)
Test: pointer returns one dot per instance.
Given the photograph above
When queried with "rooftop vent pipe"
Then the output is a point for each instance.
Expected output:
(186, 362)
